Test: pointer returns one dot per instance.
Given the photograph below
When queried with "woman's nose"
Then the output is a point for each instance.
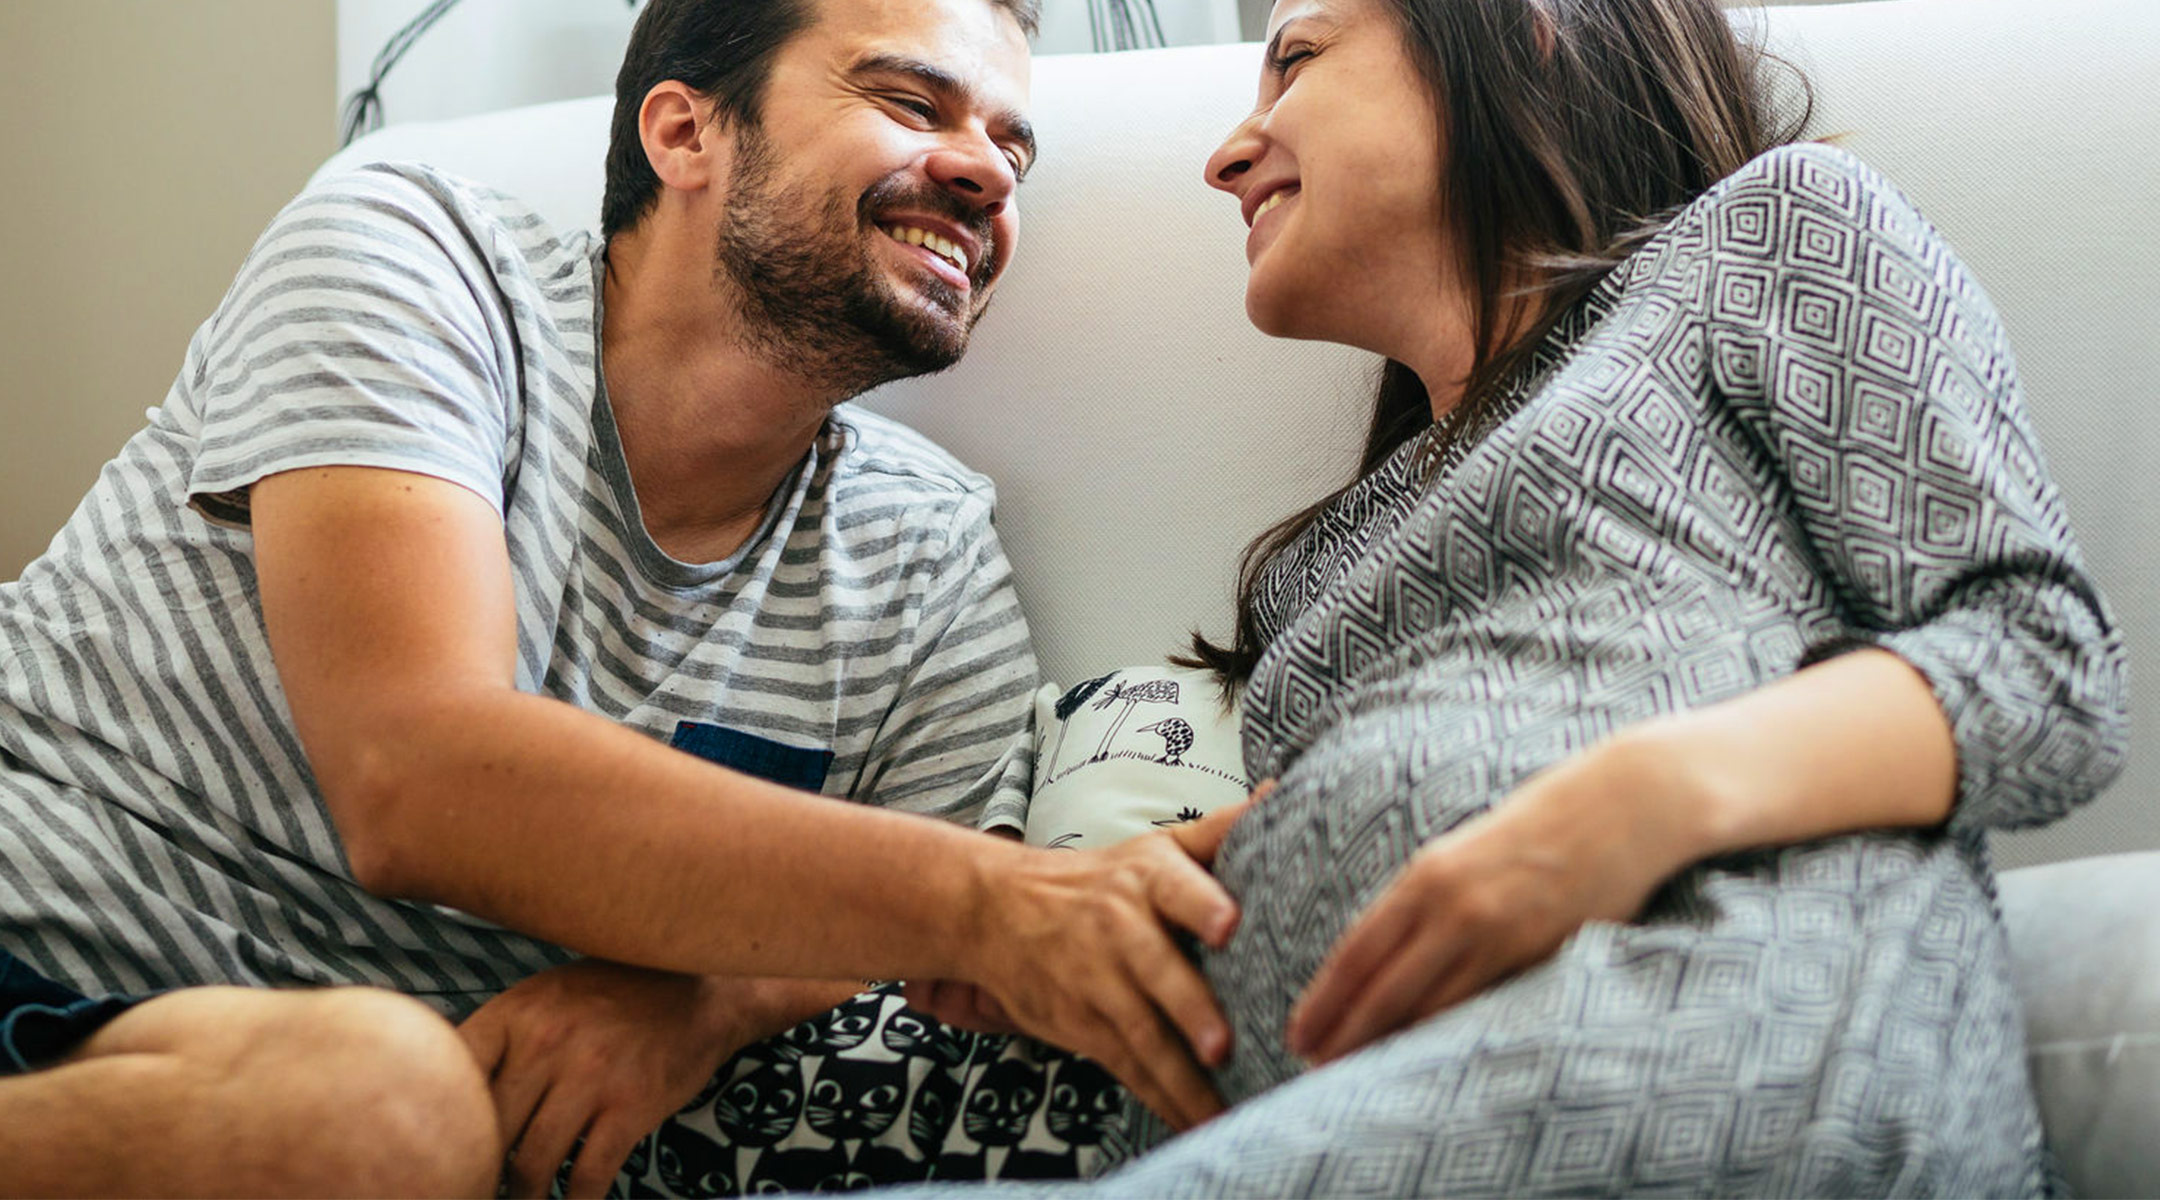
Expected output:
(1226, 167)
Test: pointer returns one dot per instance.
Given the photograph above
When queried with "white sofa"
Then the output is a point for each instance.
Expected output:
(1140, 432)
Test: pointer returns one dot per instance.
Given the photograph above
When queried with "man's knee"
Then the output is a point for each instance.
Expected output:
(346, 1090)
(400, 1081)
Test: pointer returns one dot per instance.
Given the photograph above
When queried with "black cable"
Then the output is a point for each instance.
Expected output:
(363, 109)
(1132, 25)
(1154, 21)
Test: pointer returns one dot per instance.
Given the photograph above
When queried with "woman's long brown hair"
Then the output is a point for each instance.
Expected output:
(1576, 130)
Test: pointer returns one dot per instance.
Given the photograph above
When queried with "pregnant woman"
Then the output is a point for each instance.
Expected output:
(1639, 711)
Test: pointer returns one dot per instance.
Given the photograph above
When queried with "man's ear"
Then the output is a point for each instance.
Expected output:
(688, 149)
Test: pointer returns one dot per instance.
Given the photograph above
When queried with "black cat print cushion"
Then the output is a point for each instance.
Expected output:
(874, 1092)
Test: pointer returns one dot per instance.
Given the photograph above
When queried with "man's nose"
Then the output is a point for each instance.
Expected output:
(977, 171)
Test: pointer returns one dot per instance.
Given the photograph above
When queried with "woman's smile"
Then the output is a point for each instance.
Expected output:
(1256, 239)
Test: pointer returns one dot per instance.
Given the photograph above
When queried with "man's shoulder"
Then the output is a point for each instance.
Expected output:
(888, 457)
(392, 198)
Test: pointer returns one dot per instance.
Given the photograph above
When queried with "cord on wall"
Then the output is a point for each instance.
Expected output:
(363, 111)
(1115, 25)
(1125, 25)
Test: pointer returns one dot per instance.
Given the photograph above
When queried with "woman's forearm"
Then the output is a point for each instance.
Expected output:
(1851, 744)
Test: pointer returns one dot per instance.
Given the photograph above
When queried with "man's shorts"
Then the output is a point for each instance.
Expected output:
(42, 1022)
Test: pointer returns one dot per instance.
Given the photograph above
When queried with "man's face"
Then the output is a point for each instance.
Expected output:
(872, 211)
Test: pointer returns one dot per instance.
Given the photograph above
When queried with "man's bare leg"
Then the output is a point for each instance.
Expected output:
(238, 1091)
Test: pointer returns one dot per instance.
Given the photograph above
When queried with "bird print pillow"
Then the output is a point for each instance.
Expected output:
(1139, 749)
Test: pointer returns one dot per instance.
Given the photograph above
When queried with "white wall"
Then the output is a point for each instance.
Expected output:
(1184, 22)
(492, 54)
(1254, 13)
(484, 54)
(146, 144)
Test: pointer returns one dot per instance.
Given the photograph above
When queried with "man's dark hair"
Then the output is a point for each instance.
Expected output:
(721, 49)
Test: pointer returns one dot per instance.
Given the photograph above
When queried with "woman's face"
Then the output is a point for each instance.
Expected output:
(1338, 173)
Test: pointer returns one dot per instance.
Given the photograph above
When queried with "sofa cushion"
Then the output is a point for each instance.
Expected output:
(2085, 940)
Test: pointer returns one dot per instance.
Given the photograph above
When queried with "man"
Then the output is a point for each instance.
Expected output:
(357, 665)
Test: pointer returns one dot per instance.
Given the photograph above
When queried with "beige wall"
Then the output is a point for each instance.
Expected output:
(145, 143)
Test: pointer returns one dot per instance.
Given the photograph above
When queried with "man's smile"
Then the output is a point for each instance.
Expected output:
(915, 235)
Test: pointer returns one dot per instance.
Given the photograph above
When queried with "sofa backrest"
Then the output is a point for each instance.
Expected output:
(1141, 432)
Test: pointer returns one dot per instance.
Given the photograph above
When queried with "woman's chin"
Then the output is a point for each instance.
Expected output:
(1273, 314)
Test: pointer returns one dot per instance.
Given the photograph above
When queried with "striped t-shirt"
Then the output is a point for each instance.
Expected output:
(159, 825)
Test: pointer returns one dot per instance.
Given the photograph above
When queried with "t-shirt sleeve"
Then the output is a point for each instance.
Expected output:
(957, 742)
(1869, 369)
(365, 329)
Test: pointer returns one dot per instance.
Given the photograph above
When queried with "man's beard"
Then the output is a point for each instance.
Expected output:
(814, 303)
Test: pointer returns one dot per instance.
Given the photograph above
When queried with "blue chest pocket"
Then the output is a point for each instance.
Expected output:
(791, 766)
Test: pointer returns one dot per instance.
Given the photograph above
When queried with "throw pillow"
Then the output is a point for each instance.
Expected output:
(1132, 751)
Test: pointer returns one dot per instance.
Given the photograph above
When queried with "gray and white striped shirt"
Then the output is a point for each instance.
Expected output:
(159, 825)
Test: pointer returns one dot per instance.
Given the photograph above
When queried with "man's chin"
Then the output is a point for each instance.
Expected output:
(927, 356)
(923, 337)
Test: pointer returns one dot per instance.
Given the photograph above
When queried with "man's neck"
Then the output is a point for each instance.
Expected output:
(709, 430)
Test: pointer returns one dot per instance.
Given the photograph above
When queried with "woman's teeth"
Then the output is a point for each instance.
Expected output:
(942, 247)
(1268, 205)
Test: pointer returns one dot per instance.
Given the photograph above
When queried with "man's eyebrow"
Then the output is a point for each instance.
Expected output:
(938, 79)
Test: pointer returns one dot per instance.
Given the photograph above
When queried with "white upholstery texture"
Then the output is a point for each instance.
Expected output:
(2093, 1027)
(1141, 432)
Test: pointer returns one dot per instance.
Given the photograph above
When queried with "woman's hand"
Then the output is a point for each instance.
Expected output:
(1073, 948)
(604, 1052)
(1590, 839)
(1855, 743)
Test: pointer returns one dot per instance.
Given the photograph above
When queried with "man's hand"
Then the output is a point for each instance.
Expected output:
(603, 1052)
(960, 1005)
(966, 1006)
(1073, 949)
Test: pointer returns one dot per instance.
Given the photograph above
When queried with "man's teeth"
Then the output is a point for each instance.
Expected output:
(1268, 205)
(929, 241)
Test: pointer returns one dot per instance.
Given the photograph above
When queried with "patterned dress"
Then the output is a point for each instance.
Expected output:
(1790, 421)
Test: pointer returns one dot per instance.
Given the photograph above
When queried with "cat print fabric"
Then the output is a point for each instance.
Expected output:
(875, 1093)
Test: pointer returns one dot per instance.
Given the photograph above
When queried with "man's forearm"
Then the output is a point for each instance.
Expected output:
(755, 1009)
(567, 827)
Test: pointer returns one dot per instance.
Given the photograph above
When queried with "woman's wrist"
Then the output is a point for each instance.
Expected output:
(1682, 790)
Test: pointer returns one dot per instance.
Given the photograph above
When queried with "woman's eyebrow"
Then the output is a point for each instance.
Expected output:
(944, 82)
(1274, 46)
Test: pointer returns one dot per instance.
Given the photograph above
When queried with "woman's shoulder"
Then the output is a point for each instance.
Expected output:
(1797, 213)
(1805, 202)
